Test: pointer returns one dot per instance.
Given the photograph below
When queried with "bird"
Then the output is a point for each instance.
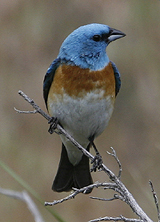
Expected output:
(79, 89)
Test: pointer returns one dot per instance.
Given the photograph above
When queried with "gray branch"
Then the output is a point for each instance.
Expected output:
(126, 195)
(155, 199)
(23, 196)
(121, 218)
(117, 160)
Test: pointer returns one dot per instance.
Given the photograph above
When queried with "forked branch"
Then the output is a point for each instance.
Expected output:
(23, 196)
(117, 185)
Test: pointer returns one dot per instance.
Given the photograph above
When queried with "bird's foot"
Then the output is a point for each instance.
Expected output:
(53, 124)
(97, 162)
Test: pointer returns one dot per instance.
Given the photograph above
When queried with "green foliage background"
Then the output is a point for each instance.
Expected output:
(31, 34)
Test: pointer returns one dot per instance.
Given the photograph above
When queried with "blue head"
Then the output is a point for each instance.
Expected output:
(86, 46)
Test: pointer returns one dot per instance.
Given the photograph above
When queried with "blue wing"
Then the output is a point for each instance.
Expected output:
(117, 78)
(48, 79)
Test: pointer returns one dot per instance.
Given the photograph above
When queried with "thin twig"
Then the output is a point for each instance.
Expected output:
(34, 105)
(117, 160)
(25, 112)
(76, 191)
(115, 188)
(121, 218)
(73, 194)
(115, 197)
(155, 199)
(23, 196)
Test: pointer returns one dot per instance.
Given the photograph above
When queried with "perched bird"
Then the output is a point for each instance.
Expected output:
(79, 90)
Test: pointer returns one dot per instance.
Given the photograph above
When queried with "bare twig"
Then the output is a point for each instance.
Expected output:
(115, 197)
(23, 196)
(25, 112)
(117, 160)
(74, 193)
(155, 199)
(128, 198)
(121, 218)
(34, 105)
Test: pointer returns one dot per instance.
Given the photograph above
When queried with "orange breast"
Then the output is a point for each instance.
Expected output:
(75, 81)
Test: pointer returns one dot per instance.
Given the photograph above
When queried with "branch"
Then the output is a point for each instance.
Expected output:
(82, 190)
(23, 196)
(128, 198)
(117, 160)
(121, 218)
(155, 199)
(115, 197)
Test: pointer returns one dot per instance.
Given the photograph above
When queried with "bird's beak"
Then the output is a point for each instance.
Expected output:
(115, 34)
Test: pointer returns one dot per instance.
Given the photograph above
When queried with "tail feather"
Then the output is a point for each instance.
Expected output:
(69, 176)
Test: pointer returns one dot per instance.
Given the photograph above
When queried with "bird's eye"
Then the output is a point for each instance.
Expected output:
(96, 38)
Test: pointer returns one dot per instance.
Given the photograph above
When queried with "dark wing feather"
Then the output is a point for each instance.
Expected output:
(48, 79)
(117, 78)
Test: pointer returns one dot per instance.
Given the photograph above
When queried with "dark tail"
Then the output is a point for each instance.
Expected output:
(69, 176)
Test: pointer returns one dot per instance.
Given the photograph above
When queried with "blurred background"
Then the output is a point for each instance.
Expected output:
(31, 33)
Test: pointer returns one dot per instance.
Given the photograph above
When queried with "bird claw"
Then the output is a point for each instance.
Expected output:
(53, 124)
(97, 162)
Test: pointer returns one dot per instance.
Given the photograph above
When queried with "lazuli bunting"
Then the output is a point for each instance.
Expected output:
(79, 89)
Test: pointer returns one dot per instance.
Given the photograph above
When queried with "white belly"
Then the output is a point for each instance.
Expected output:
(81, 118)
